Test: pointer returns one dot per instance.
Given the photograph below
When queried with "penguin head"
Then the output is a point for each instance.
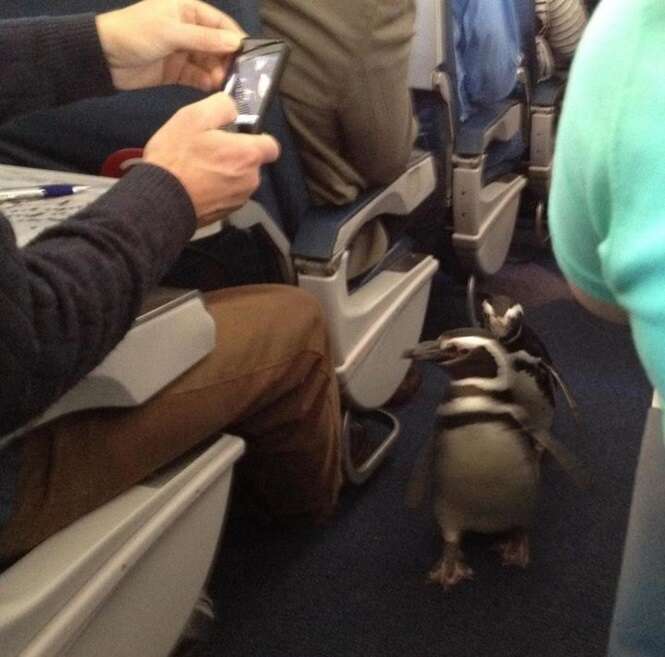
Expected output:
(502, 317)
(466, 354)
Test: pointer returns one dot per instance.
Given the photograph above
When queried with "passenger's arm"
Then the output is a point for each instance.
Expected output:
(70, 296)
(567, 21)
(48, 62)
(51, 61)
(67, 298)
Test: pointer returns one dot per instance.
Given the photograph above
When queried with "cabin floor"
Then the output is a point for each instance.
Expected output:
(358, 586)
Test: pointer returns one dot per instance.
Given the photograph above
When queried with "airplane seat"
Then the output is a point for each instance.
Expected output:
(370, 323)
(483, 153)
(373, 321)
(123, 580)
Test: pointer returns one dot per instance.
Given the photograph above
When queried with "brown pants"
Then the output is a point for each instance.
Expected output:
(270, 380)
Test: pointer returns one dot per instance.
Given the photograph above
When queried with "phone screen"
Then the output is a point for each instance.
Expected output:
(251, 84)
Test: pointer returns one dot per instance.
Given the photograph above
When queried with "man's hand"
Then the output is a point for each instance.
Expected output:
(219, 169)
(168, 42)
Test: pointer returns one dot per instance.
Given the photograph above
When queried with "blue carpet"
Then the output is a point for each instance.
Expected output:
(357, 587)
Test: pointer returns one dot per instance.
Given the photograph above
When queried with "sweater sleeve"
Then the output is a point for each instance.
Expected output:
(566, 22)
(50, 61)
(67, 298)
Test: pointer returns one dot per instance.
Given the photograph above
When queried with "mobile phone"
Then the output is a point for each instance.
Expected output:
(253, 80)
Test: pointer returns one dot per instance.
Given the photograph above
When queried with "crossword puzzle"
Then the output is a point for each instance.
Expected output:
(30, 217)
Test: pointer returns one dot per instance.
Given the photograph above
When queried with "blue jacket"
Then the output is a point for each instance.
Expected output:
(487, 52)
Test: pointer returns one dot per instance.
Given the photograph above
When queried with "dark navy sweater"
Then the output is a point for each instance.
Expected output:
(67, 298)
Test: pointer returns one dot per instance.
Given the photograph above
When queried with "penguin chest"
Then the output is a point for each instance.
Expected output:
(488, 477)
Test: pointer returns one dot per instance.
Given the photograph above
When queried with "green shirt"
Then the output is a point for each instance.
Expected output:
(607, 204)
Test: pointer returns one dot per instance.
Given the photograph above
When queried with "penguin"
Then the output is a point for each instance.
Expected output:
(484, 462)
(482, 455)
(535, 378)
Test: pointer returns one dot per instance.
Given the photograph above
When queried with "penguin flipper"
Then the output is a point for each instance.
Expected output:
(570, 400)
(421, 477)
(564, 457)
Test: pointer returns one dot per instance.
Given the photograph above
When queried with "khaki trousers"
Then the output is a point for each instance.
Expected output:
(345, 90)
(270, 380)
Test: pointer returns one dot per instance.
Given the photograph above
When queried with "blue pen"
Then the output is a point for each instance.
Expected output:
(41, 191)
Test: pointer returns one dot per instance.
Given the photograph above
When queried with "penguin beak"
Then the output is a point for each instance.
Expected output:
(432, 350)
(428, 350)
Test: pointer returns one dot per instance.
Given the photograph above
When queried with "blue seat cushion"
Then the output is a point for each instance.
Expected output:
(317, 234)
(549, 92)
(471, 133)
(503, 157)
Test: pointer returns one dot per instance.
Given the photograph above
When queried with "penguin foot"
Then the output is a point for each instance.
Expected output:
(514, 550)
(450, 573)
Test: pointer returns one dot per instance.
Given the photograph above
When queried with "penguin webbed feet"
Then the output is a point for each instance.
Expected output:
(513, 549)
(451, 569)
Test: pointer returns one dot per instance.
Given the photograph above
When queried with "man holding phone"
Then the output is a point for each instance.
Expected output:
(67, 298)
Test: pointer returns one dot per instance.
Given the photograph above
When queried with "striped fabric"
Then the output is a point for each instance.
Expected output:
(563, 23)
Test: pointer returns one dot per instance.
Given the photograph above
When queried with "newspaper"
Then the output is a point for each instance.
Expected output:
(30, 217)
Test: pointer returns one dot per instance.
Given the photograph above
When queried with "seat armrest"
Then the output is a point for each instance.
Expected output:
(498, 122)
(173, 332)
(82, 575)
(549, 92)
(165, 341)
(327, 231)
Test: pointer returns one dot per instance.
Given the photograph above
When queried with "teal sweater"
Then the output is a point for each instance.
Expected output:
(607, 204)
(607, 218)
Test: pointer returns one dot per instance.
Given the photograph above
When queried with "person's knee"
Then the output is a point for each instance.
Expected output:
(300, 322)
(299, 308)
(387, 170)
(391, 151)
(278, 319)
